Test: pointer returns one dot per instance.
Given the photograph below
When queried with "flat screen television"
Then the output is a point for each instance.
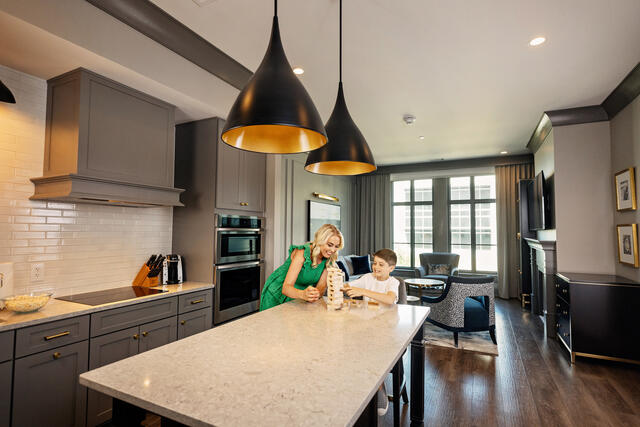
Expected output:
(537, 203)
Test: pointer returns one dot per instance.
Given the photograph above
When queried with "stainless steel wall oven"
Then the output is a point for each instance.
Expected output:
(239, 266)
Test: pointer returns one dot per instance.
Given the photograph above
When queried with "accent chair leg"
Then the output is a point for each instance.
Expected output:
(492, 332)
(455, 338)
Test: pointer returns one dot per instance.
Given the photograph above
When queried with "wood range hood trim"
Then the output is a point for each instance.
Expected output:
(86, 189)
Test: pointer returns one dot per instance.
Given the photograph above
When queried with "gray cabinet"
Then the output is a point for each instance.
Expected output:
(48, 382)
(6, 346)
(132, 315)
(241, 177)
(35, 339)
(6, 369)
(157, 333)
(194, 322)
(104, 350)
(195, 301)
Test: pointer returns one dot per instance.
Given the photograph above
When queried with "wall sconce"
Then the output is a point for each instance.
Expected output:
(5, 94)
(326, 197)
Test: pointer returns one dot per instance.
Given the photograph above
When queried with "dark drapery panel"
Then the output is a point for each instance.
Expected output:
(507, 178)
(372, 213)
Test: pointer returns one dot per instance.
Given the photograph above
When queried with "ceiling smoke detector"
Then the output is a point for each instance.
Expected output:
(409, 118)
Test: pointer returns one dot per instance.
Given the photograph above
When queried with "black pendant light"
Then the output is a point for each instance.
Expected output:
(5, 94)
(274, 113)
(347, 152)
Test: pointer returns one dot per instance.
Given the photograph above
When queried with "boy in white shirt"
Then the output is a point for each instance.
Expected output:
(381, 287)
(378, 285)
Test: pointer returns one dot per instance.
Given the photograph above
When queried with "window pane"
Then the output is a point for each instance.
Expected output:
(403, 252)
(460, 224)
(401, 191)
(460, 188)
(402, 224)
(465, 256)
(485, 187)
(423, 224)
(486, 258)
(486, 231)
(422, 190)
(420, 249)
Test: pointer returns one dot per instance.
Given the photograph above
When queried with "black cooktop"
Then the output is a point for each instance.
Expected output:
(111, 295)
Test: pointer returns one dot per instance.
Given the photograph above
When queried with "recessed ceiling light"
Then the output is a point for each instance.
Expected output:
(421, 137)
(504, 152)
(298, 70)
(537, 41)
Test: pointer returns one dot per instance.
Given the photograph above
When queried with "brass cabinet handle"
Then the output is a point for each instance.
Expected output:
(56, 355)
(183, 322)
(564, 291)
(565, 312)
(557, 285)
(244, 204)
(144, 334)
(61, 334)
(557, 305)
(198, 301)
(136, 336)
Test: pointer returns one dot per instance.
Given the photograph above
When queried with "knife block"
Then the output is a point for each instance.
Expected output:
(141, 278)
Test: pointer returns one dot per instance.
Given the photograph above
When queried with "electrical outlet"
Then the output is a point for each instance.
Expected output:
(37, 272)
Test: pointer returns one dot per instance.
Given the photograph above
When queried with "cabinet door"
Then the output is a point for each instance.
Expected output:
(254, 175)
(194, 322)
(104, 350)
(5, 392)
(157, 333)
(228, 183)
(46, 391)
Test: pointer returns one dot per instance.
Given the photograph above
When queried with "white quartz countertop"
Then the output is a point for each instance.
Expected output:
(294, 364)
(58, 309)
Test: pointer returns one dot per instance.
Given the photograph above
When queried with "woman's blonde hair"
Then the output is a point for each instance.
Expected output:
(321, 237)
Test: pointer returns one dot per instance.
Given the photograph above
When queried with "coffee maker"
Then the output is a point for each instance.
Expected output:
(173, 271)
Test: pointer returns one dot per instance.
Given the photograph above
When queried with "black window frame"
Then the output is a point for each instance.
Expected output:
(412, 203)
(472, 202)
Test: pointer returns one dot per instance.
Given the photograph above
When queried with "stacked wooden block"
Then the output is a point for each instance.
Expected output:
(335, 281)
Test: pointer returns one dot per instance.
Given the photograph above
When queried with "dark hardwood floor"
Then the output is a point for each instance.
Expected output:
(530, 383)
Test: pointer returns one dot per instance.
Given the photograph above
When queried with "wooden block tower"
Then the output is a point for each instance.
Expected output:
(335, 280)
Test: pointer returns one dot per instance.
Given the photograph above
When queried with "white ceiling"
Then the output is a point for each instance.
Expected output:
(463, 68)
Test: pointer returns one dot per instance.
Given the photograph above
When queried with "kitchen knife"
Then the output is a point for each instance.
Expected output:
(152, 259)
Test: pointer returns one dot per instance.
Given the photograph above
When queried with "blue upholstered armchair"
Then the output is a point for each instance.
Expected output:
(466, 305)
(431, 261)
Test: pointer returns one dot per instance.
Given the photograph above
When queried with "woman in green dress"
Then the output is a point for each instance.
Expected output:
(303, 275)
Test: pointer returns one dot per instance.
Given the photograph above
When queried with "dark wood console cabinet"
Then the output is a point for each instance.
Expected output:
(597, 316)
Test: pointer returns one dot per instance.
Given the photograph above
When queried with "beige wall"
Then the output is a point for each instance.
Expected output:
(289, 187)
(544, 162)
(583, 198)
(83, 247)
(625, 153)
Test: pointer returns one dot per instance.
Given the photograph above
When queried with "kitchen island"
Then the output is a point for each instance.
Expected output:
(294, 364)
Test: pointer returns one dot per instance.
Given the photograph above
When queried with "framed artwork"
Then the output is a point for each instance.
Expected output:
(628, 244)
(321, 213)
(625, 190)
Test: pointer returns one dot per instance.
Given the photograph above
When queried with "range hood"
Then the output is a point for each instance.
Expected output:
(106, 143)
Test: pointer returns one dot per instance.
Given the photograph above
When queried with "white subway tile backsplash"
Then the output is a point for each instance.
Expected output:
(84, 247)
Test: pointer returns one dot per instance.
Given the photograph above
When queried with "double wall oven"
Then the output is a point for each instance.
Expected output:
(239, 265)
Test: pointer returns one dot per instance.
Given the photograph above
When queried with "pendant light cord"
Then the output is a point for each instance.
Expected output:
(340, 41)
(275, 7)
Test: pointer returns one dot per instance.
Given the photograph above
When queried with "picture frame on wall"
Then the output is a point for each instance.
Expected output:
(321, 213)
(628, 244)
(625, 182)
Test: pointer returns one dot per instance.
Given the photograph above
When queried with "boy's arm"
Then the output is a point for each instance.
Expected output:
(388, 298)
